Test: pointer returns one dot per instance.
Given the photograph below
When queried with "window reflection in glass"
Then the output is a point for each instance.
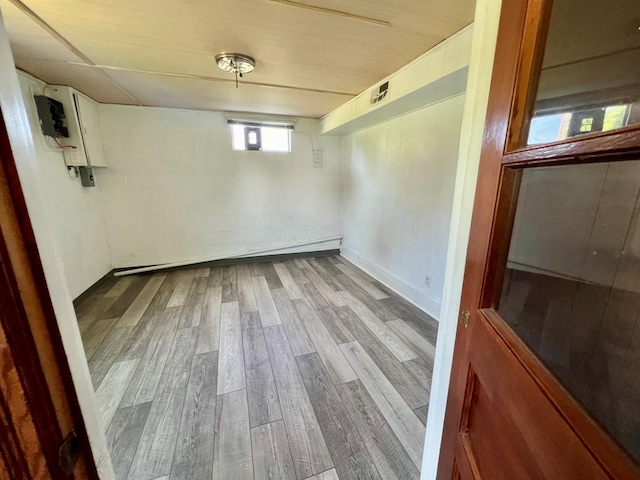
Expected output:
(590, 77)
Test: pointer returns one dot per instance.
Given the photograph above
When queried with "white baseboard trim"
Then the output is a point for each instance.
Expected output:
(414, 295)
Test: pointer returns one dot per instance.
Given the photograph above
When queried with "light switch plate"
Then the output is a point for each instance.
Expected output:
(317, 159)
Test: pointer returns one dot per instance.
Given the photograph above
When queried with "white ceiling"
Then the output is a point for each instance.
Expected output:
(309, 61)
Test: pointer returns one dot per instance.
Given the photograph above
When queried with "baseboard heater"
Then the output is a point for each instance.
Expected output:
(226, 256)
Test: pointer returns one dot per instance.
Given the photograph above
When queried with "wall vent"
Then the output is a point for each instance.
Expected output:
(380, 94)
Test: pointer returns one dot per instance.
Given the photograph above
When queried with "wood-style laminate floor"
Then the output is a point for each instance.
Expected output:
(304, 369)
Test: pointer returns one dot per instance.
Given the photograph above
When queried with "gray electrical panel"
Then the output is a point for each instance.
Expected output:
(87, 177)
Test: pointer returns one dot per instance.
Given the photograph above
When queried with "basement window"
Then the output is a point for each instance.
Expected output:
(257, 137)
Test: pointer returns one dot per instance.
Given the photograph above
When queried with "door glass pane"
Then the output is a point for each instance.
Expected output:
(590, 78)
(572, 286)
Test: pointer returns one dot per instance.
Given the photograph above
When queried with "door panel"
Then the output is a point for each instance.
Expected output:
(539, 367)
(512, 402)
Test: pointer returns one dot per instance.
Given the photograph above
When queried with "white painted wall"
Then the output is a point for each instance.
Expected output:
(398, 192)
(475, 111)
(176, 191)
(32, 178)
(73, 211)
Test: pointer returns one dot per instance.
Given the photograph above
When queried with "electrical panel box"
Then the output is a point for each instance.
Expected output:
(83, 124)
(51, 115)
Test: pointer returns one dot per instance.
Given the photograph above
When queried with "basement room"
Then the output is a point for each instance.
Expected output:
(301, 240)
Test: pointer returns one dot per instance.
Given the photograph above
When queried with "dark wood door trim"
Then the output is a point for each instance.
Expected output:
(33, 340)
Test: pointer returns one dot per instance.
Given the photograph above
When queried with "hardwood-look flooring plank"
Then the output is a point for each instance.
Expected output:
(397, 413)
(413, 339)
(256, 269)
(136, 344)
(134, 313)
(301, 263)
(107, 354)
(172, 279)
(308, 446)
(410, 389)
(297, 334)
(270, 275)
(271, 453)
(362, 283)
(327, 292)
(421, 413)
(202, 272)
(262, 396)
(232, 458)
(209, 328)
(193, 456)
(229, 284)
(326, 475)
(192, 311)
(378, 307)
(92, 339)
(112, 388)
(324, 270)
(413, 316)
(92, 313)
(337, 329)
(422, 370)
(296, 273)
(386, 451)
(380, 329)
(120, 287)
(123, 302)
(145, 381)
(342, 261)
(328, 266)
(157, 443)
(230, 356)
(246, 295)
(215, 277)
(267, 308)
(181, 292)
(337, 365)
(123, 436)
(288, 282)
(349, 455)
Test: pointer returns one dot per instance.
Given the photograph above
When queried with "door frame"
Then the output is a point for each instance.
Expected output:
(485, 34)
(42, 287)
(39, 404)
(521, 33)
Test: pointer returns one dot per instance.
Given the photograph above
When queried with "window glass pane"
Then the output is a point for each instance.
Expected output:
(572, 286)
(275, 139)
(591, 70)
(237, 137)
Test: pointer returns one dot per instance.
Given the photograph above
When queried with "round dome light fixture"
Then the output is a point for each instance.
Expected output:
(235, 63)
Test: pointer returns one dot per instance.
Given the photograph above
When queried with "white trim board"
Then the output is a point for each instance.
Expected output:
(411, 293)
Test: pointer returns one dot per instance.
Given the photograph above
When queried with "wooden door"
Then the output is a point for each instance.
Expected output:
(546, 372)
(42, 433)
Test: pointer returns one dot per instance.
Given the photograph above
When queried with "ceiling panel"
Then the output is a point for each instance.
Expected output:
(219, 96)
(292, 46)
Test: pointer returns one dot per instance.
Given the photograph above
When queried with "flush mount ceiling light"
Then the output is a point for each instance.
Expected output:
(235, 63)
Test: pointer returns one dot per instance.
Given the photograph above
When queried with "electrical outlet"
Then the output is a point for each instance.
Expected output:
(427, 281)
(317, 159)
